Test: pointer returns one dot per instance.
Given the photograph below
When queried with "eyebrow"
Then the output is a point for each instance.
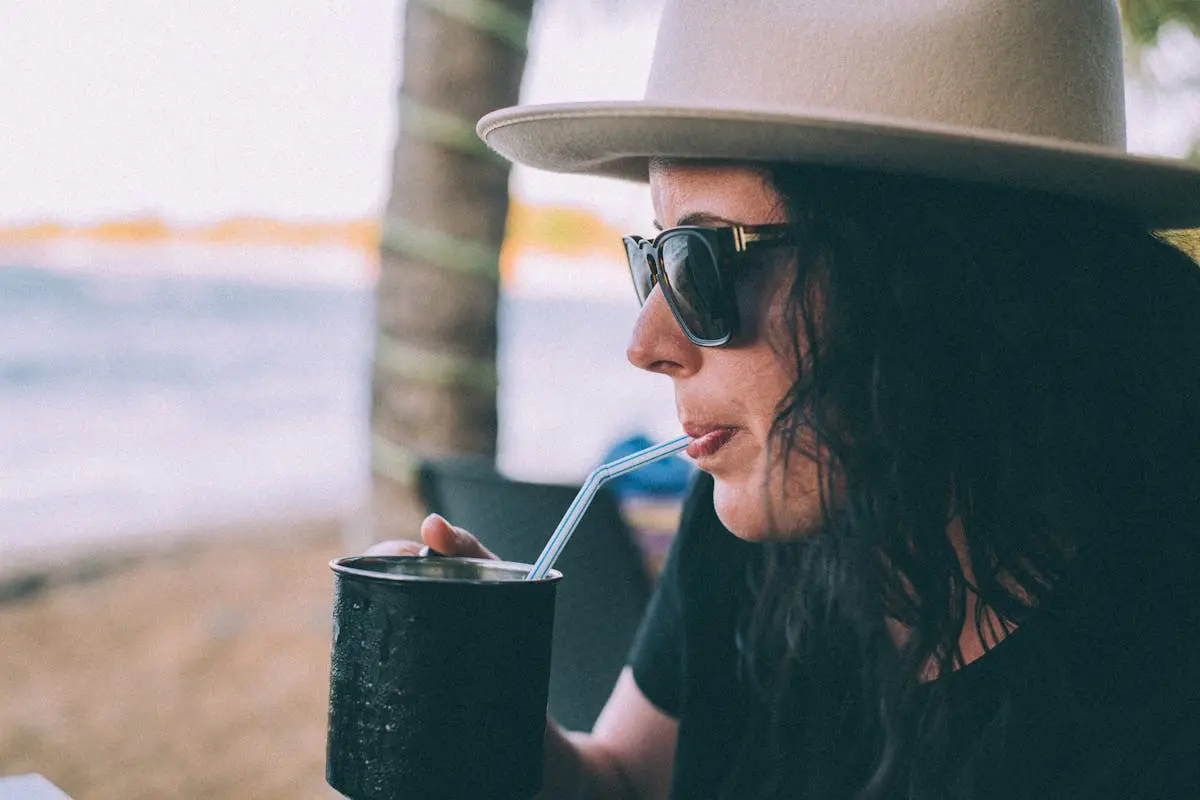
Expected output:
(700, 218)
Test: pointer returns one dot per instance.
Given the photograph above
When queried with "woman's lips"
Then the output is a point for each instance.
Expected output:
(707, 442)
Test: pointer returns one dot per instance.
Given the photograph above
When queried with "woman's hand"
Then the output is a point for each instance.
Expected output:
(437, 534)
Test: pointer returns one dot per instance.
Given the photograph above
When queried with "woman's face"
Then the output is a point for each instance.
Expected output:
(726, 397)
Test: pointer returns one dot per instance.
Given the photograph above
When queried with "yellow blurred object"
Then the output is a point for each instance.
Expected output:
(1186, 240)
(363, 234)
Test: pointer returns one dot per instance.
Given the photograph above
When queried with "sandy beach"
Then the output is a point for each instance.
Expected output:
(194, 668)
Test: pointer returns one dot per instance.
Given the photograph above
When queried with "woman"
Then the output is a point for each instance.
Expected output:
(943, 384)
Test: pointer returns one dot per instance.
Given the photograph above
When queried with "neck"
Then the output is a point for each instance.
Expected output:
(973, 640)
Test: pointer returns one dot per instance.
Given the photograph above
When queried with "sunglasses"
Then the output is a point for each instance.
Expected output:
(696, 266)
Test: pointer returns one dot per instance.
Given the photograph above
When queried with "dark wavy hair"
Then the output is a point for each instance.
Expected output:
(1026, 363)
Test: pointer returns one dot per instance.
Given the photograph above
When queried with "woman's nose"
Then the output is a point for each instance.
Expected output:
(657, 343)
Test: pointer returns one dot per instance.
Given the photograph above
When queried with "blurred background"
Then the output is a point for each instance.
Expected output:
(254, 267)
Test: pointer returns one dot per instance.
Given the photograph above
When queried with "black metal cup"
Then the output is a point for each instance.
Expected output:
(439, 675)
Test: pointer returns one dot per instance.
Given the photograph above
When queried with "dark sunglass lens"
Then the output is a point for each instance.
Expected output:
(695, 285)
(639, 269)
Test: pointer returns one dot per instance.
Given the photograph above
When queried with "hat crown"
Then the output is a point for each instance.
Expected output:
(1042, 68)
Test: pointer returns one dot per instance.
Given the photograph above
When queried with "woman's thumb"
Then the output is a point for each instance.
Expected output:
(449, 540)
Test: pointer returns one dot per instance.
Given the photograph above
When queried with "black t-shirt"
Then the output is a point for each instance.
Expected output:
(1098, 695)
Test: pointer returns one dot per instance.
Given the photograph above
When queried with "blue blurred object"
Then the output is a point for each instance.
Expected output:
(666, 478)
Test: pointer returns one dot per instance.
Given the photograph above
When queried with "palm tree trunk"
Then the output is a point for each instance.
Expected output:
(433, 384)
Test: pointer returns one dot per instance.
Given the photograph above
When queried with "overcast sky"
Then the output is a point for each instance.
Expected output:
(202, 110)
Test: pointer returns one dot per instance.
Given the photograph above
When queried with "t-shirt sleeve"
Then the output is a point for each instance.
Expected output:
(657, 654)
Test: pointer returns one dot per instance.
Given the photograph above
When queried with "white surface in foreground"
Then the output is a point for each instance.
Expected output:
(30, 787)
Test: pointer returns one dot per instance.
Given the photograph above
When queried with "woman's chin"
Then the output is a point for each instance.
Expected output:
(746, 514)
(742, 515)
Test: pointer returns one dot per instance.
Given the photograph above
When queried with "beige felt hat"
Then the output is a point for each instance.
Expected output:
(1025, 93)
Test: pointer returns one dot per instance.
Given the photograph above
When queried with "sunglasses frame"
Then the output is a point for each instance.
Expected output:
(725, 245)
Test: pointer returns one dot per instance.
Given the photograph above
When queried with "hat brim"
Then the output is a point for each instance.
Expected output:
(617, 139)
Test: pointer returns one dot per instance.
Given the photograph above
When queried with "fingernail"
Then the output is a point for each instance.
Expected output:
(454, 534)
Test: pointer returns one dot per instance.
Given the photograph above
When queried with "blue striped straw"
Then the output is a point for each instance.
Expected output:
(600, 475)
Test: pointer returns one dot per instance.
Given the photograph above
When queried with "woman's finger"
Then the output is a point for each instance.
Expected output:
(449, 540)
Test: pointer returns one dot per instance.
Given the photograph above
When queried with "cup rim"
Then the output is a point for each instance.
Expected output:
(344, 566)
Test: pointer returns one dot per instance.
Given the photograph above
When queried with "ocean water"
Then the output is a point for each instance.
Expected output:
(139, 400)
